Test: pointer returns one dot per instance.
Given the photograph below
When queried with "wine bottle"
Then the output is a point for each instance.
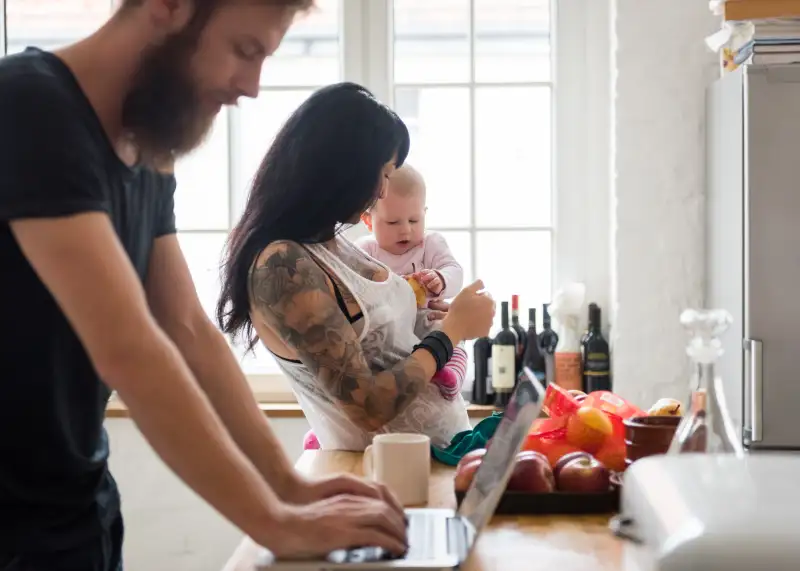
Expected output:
(520, 331)
(481, 350)
(596, 359)
(504, 350)
(533, 358)
(548, 341)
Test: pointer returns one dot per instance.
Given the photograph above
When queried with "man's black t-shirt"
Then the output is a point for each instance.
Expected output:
(55, 160)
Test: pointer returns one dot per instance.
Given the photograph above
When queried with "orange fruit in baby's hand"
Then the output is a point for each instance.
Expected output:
(588, 428)
(419, 292)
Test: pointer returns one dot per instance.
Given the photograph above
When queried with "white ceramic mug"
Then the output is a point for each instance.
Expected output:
(403, 463)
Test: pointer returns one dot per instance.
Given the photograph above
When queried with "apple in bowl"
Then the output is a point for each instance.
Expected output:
(531, 474)
(465, 473)
(583, 474)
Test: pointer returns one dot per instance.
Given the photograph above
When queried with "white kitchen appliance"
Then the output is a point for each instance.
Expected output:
(753, 215)
(711, 512)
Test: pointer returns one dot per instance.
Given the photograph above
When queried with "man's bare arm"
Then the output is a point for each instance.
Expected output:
(293, 296)
(82, 263)
(173, 300)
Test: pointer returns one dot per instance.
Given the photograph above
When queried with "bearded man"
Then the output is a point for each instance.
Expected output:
(95, 295)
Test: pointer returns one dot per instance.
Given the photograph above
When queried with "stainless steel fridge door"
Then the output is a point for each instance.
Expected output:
(771, 260)
(725, 228)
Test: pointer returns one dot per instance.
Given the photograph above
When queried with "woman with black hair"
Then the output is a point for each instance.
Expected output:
(340, 324)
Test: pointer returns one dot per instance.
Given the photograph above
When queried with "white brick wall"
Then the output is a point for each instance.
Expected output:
(662, 68)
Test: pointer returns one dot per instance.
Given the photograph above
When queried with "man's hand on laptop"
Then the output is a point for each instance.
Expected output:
(339, 522)
(321, 488)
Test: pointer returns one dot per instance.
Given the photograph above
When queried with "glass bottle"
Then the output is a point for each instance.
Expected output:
(706, 425)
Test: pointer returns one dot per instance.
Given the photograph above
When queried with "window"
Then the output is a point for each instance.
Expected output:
(473, 79)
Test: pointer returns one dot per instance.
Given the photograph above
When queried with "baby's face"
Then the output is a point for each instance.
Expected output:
(398, 222)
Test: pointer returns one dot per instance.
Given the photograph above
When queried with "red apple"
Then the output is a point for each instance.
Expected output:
(465, 473)
(584, 474)
(566, 458)
(471, 455)
(531, 474)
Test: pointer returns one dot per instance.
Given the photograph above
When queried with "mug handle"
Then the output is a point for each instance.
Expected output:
(366, 463)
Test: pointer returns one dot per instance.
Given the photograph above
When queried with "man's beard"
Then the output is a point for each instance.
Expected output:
(162, 113)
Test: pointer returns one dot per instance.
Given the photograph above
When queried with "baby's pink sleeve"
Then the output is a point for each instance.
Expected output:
(439, 257)
(368, 244)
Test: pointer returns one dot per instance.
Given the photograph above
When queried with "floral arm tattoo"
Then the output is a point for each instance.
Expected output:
(290, 292)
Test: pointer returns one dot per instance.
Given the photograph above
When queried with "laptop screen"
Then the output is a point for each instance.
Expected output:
(492, 476)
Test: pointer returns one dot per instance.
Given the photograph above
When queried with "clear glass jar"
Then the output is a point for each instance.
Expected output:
(706, 425)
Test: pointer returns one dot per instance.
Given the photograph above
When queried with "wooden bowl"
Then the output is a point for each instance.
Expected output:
(649, 435)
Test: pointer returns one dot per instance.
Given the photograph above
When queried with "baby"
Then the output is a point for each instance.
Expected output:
(399, 240)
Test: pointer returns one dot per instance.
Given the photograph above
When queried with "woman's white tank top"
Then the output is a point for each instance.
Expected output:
(387, 335)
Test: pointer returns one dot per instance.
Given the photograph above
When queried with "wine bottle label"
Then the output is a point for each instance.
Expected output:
(503, 367)
(597, 365)
(568, 371)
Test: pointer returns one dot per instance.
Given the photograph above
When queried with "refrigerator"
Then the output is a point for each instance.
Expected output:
(752, 247)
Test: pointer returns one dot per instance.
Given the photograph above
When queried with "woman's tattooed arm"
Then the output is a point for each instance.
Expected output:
(292, 295)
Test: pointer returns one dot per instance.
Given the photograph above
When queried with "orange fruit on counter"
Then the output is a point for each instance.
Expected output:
(588, 428)
(612, 454)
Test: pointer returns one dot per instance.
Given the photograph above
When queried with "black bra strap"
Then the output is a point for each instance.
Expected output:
(336, 291)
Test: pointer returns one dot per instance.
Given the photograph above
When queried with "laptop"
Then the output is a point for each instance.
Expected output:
(442, 538)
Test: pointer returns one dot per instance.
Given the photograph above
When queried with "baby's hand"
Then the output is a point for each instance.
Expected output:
(431, 281)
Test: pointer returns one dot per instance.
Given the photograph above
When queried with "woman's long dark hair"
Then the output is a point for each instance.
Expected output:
(323, 170)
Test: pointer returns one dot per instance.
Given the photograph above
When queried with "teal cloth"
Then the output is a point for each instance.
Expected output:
(468, 440)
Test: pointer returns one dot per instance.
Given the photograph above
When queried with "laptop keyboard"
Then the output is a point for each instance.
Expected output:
(421, 537)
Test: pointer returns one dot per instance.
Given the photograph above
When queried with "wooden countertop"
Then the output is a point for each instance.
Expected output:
(510, 543)
(117, 409)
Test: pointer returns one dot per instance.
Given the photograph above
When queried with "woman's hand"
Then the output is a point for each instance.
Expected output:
(438, 309)
(470, 315)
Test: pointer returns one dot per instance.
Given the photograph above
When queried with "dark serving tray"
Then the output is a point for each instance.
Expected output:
(556, 503)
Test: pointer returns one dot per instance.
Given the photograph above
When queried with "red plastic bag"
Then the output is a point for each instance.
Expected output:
(558, 402)
(550, 435)
(612, 404)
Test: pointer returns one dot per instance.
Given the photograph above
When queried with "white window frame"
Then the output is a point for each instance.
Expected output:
(581, 103)
(581, 100)
(3, 44)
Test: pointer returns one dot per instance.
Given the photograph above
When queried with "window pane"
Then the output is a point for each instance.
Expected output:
(257, 362)
(201, 198)
(512, 40)
(438, 121)
(513, 156)
(310, 52)
(259, 121)
(515, 262)
(460, 246)
(431, 41)
(203, 253)
(49, 24)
